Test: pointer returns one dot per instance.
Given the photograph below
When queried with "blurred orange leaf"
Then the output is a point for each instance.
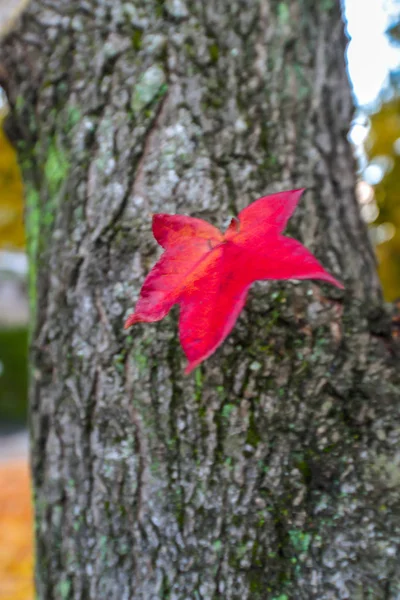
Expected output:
(16, 532)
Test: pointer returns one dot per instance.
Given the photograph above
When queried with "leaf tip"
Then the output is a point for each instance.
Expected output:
(330, 279)
(298, 192)
(131, 320)
(189, 368)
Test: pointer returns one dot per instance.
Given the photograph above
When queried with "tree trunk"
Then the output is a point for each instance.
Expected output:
(273, 471)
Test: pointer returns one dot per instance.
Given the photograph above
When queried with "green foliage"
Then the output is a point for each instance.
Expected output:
(13, 374)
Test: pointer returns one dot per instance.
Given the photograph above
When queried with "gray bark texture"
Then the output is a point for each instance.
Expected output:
(273, 471)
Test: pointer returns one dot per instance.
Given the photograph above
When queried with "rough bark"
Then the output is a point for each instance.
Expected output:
(272, 472)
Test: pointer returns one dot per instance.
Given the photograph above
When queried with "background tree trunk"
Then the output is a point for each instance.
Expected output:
(273, 471)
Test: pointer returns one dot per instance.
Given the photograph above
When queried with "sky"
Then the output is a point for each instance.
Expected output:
(370, 55)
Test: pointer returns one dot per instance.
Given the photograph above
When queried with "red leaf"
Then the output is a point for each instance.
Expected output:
(208, 273)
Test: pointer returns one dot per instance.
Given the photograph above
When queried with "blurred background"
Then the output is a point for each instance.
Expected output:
(374, 68)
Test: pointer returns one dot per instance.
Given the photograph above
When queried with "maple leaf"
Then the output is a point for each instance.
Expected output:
(208, 273)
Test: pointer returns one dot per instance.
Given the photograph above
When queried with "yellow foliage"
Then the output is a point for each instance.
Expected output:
(16, 532)
(12, 233)
(384, 141)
